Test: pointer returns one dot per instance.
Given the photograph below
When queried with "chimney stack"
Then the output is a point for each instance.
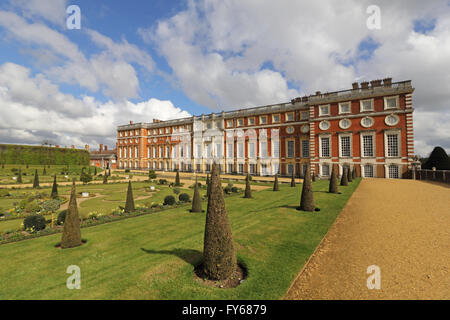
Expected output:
(131, 122)
(106, 148)
(365, 85)
(355, 85)
(100, 148)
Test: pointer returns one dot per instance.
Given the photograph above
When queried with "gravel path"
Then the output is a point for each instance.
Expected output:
(402, 226)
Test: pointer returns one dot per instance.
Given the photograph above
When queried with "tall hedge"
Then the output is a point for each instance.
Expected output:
(38, 155)
(438, 159)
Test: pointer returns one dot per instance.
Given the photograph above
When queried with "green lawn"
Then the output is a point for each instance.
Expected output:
(152, 256)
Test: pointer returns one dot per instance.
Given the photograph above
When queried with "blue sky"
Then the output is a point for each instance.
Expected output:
(139, 60)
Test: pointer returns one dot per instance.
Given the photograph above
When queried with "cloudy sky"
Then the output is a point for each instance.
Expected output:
(139, 60)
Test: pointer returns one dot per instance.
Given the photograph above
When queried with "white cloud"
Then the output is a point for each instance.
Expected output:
(33, 109)
(111, 70)
(53, 11)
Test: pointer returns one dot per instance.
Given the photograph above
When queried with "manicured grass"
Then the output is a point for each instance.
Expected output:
(152, 256)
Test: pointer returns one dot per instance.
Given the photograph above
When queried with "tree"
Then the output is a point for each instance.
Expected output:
(293, 180)
(196, 201)
(85, 177)
(313, 178)
(177, 179)
(54, 194)
(354, 174)
(151, 175)
(349, 175)
(333, 187)
(275, 183)
(207, 185)
(219, 256)
(71, 236)
(344, 178)
(36, 180)
(248, 190)
(19, 176)
(51, 206)
(44, 172)
(109, 172)
(437, 159)
(307, 197)
(95, 171)
(105, 179)
(129, 205)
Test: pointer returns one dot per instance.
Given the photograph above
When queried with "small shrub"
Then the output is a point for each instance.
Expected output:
(176, 190)
(152, 174)
(234, 189)
(61, 217)
(127, 170)
(32, 207)
(184, 197)
(162, 181)
(34, 222)
(169, 200)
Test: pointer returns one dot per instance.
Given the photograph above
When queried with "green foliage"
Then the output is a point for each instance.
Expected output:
(438, 159)
(85, 177)
(51, 205)
(275, 184)
(36, 180)
(196, 201)
(54, 194)
(184, 197)
(169, 200)
(71, 236)
(32, 207)
(34, 222)
(307, 196)
(151, 174)
(129, 205)
(177, 179)
(162, 181)
(176, 190)
(4, 193)
(37, 155)
(61, 217)
(19, 176)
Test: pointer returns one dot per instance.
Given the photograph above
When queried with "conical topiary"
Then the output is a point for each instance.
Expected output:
(248, 190)
(129, 205)
(275, 183)
(177, 179)
(71, 236)
(36, 180)
(219, 256)
(333, 187)
(313, 178)
(196, 201)
(95, 171)
(293, 180)
(349, 175)
(207, 185)
(105, 179)
(344, 178)
(54, 193)
(19, 176)
(354, 174)
(109, 172)
(44, 172)
(307, 197)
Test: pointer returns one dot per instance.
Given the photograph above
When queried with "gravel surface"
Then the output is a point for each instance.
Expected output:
(401, 226)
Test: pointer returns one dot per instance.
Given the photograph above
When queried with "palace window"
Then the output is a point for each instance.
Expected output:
(263, 119)
(199, 151)
(263, 149)
(345, 146)
(392, 145)
(229, 123)
(252, 168)
(275, 118)
(251, 121)
(305, 148)
(344, 107)
(393, 171)
(290, 148)
(367, 122)
(324, 146)
(240, 150)
(240, 122)
(368, 146)
(366, 105)
(219, 150)
(391, 120)
(275, 148)
(304, 115)
(241, 168)
(230, 168)
(251, 149)
(230, 150)
(368, 171)
(325, 169)
(391, 102)
(290, 116)
(324, 110)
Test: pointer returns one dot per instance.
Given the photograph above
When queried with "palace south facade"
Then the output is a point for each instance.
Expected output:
(369, 127)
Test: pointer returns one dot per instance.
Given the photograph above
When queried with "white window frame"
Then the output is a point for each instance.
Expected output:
(230, 150)
(399, 146)
(396, 102)
(276, 115)
(389, 171)
(349, 107)
(251, 118)
(237, 122)
(287, 149)
(321, 169)
(361, 102)
(372, 134)
(302, 113)
(303, 149)
(341, 135)
(263, 151)
(229, 123)
(263, 122)
(366, 126)
(287, 116)
(321, 113)
(240, 155)
(320, 145)
(275, 151)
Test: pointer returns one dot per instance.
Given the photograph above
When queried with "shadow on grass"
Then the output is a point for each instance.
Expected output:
(191, 256)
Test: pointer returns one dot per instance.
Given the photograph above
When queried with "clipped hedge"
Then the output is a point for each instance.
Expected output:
(38, 155)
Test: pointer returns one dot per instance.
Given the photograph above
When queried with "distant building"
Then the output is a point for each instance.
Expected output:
(368, 127)
(103, 158)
